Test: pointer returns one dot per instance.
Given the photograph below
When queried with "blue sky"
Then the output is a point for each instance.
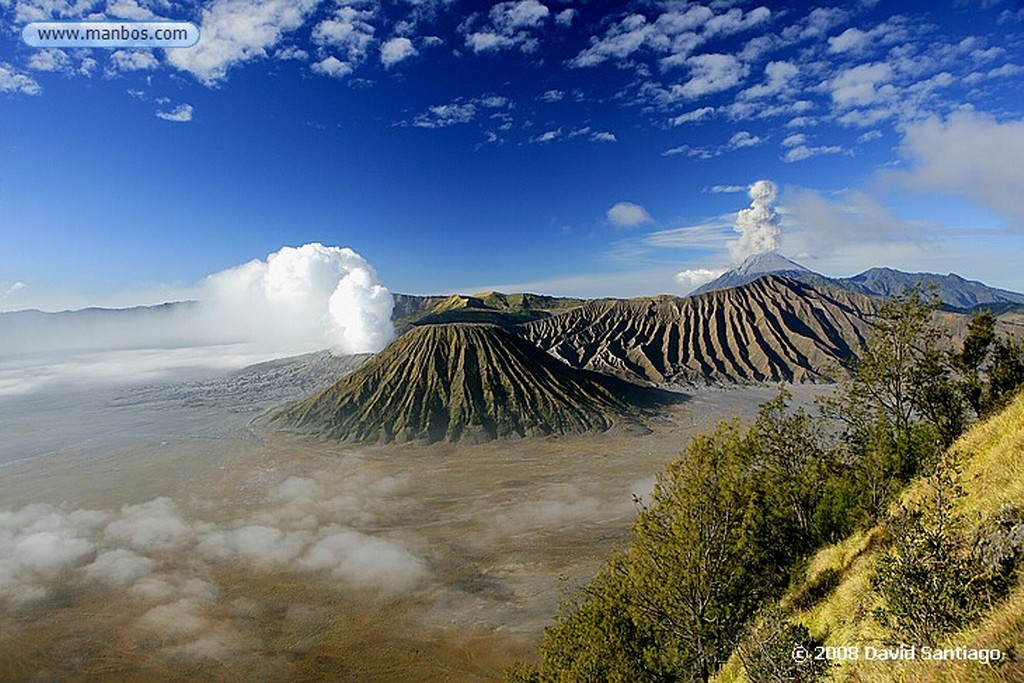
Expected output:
(564, 147)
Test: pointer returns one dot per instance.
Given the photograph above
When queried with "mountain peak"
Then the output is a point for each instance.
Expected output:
(768, 262)
(752, 268)
(457, 382)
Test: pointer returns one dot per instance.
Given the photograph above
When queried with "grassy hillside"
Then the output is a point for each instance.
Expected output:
(836, 600)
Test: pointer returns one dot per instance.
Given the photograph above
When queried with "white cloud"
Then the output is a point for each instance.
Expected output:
(850, 40)
(333, 67)
(12, 80)
(970, 155)
(826, 226)
(444, 115)
(794, 140)
(861, 85)
(711, 73)
(719, 189)
(50, 60)
(627, 215)
(8, 289)
(869, 136)
(691, 116)
(547, 136)
(512, 24)
(237, 31)
(603, 136)
(291, 52)
(744, 138)
(621, 40)
(129, 9)
(553, 95)
(710, 235)
(155, 525)
(779, 77)
(485, 41)
(348, 30)
(395, 50)
(693, 278)
(509, 16)
(133, 60)
(180, 114)
(801, 152)
(565, 17)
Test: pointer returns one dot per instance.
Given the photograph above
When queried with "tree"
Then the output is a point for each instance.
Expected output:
(932, 581)
(799, 467)
(714, 543)
(707, 552)
(1006, 375)
(595, 637)
(972, 358)
(900, 377)
(767, 651)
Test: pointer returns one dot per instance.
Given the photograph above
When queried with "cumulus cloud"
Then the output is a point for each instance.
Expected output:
(627, 215)
(692, 278)
(511, 24)
(180, 114)
(50, 60)
(333, 67)
(237, 31)
(14, 81)
(691, 116)
(133, 60)
(312, 296)
(758, 226)
(800, 152)
(862, 85)
(348, 33)
(778, 79)
(970, 155)
(395, 50)
(744, 138)
(711, 73)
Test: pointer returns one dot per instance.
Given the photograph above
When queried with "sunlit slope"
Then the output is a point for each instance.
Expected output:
(836, 600)
(462, 381)
(772, 329)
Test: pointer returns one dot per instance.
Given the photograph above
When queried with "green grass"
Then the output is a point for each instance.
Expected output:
(992, 455)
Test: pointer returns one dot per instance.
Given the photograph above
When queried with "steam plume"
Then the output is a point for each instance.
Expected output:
(757, 226)
(313, 296)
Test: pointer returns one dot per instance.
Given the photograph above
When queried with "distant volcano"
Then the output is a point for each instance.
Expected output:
(463, 382)
(754, 267)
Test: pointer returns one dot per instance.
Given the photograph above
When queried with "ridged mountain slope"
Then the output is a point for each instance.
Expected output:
(773, 329)
(461, 382)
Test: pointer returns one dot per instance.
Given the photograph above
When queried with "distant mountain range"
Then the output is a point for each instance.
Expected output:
(952, 290)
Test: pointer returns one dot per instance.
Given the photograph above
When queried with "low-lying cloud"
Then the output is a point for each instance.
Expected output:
(309, 525)
(296, 300)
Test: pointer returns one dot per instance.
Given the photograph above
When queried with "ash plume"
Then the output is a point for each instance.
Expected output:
(758, 226)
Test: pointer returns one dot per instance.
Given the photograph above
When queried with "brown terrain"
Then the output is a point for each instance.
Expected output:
(773, 329)
(464, 382)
